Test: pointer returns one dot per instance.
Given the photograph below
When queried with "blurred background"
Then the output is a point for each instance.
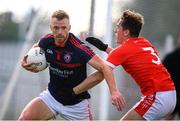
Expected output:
(22, 23)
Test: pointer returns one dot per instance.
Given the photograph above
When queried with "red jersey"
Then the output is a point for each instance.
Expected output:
(139, 58)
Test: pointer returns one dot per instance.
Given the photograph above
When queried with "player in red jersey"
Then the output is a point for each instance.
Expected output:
(139, 58)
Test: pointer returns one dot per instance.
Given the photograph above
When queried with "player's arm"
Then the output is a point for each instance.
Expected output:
(89, 82)
(29, 67)
(100, 65)
(106, 72)
(99, 44)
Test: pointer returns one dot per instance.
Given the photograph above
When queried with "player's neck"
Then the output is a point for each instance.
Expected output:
(60, 44)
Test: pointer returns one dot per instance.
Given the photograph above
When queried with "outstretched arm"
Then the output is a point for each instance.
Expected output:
(89, 82)
(104, 71)
(101, 66)
(99, 44)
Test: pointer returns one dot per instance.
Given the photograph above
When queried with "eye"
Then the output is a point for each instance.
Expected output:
(56, 27)
(118, 26)
(63, 27)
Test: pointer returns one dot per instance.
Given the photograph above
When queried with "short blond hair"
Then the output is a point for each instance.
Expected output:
(60, 14)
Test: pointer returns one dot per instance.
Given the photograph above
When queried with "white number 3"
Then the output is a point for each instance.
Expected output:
(158, 61)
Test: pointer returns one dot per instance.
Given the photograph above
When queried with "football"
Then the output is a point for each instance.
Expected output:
(36, 55)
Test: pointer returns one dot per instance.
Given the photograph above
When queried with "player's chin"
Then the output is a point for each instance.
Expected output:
(60, 40)
(119, 41)
(34, 70)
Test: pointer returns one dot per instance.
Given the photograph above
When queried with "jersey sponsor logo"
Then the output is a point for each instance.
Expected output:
(67, 58)
(49, 51)
(61, 73)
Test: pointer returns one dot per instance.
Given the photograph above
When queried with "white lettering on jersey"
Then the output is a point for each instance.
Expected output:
(49, 51)
(154, 54)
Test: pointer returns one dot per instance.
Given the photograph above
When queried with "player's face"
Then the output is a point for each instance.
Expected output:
(119, 33)
(60, 30)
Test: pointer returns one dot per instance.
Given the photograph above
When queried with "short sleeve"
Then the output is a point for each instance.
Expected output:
(45, 41)
(117, 56)
(85, 52)
(42, 43)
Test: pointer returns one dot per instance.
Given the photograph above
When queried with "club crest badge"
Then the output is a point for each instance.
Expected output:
(67, 58)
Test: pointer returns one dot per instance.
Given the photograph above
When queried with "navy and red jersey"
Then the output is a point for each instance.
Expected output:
(67, 65)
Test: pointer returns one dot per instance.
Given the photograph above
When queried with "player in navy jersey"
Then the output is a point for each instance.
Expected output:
(67, 57)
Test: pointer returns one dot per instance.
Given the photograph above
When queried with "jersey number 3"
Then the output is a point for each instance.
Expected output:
(154, 54)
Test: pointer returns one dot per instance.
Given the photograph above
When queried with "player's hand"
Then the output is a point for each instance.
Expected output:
(97, 43)
(118, 100)
(29, 67)
(68, 92)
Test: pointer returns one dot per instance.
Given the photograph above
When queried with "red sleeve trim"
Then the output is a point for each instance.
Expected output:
(48, 36)
(78, 44)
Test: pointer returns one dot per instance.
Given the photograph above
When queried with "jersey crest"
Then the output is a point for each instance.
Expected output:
(67, 57)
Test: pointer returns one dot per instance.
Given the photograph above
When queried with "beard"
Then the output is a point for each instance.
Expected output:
(60, 38)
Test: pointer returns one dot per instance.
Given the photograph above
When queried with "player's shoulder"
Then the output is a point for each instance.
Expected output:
(176, 51)
(79, 45)
(47, 37)
(46, 40)
(174, 54)
(74, 40)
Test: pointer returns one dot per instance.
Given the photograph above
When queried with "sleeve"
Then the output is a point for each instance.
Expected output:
(117, 56)
(85, 52)
(45, 41)
(42, 44)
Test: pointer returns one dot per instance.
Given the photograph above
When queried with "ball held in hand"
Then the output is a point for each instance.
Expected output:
(37, 56)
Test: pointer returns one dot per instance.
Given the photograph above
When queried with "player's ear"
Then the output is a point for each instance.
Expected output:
(126, 32)
(50, 26)
(69, 27)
